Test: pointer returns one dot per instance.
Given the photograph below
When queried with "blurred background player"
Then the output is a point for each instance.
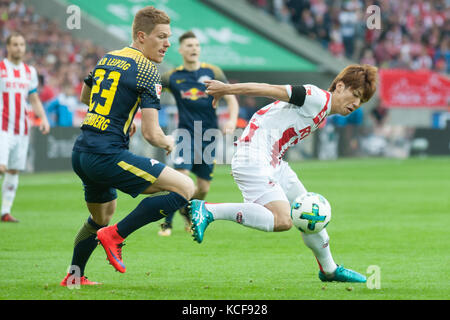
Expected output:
(123, 81)
(186, 83)
(18, 82)
(266, 181)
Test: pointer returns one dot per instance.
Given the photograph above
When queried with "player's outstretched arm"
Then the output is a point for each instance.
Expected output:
(38, 109)
(152, 132)
(233, 110)
(218, 89)
(85, 96)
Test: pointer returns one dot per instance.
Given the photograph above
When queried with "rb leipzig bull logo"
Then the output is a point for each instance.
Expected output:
(193, 94)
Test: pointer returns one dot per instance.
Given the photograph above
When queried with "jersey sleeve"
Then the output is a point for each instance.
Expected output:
(165, 79)
(297, 94)
(34, 81)
(89, 79)
(218, 74)
(316, 100)
(149, 86)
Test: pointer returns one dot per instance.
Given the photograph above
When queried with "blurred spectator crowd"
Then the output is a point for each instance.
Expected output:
(61, 60)
(413, 35)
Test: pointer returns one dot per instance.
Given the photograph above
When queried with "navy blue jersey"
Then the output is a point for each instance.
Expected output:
(123, 81)
(188, 88)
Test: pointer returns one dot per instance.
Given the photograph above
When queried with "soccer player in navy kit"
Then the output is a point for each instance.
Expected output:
(123, 81)
(186, 83)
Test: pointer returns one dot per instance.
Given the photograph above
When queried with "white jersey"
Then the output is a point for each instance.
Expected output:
(276, 127)
(16, 83)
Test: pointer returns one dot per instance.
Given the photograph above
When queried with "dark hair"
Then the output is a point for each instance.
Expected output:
(147, 18)
(187, 35)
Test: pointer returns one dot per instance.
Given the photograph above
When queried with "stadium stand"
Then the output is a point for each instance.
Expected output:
(414, 35)
(59, 58)
(62, 58)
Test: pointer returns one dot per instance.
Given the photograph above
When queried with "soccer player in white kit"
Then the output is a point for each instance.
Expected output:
(18, 81)
(266, 181)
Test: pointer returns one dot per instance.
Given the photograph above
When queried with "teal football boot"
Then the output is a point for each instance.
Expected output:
(343, 275)
(200, 217)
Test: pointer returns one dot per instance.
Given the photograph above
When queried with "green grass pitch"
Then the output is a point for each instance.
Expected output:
(394, 214)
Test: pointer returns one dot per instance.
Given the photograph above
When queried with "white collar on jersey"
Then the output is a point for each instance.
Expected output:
(12, 64)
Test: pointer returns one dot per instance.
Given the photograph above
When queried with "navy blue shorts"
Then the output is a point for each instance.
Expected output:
(201, 168)
(102, 174)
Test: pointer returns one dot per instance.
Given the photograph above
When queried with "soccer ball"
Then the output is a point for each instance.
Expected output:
(310, 212)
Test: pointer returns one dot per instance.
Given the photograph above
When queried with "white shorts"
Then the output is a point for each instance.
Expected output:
(13, 150)
(264, 184)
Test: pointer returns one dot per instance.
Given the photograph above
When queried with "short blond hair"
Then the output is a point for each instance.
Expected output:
(147, 18)
(358, 76)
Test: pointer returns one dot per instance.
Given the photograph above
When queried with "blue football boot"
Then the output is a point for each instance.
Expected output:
(200, 217)
(343, 275)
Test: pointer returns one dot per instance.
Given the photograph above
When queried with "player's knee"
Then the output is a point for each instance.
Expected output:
(283, 225)
(173, 181)
(185, 187)
(2, 169)
(283, 222)
(191, 188)
(281, 213)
